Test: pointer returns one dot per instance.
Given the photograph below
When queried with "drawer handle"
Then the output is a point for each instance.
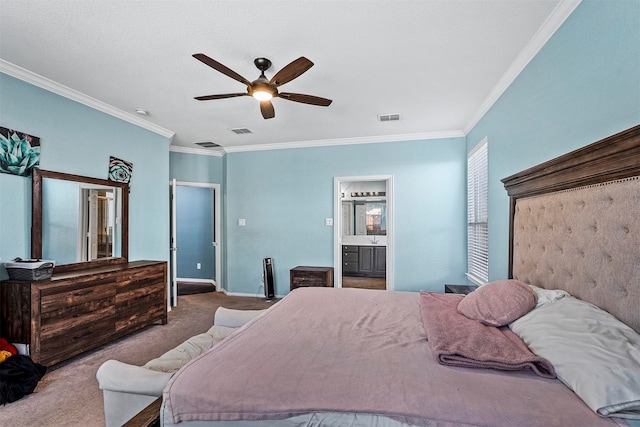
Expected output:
(83, 293)
(86, 334)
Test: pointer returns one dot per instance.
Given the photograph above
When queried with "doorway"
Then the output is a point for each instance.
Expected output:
(195, 238)
(363, 232)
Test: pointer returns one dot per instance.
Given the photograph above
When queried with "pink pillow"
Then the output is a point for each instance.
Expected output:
(498, 303)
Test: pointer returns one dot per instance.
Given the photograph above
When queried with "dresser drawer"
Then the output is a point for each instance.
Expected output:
(140, 278)
(84, 333)
(140, 305)
(140, 298)
(67, 299)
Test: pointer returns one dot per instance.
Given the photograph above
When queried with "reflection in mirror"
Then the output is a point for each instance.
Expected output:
(78, 221)
(364, 218)
(364, 208)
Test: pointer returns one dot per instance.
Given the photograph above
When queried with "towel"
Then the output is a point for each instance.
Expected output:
(456, 340)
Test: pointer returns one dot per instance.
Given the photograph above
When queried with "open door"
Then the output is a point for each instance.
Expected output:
(199, 250)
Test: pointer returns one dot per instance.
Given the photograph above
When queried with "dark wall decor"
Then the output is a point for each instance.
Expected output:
(120, 170)
(19, 152)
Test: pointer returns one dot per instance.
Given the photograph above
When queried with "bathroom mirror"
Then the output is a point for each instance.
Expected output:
(364, 218)
(78, 221)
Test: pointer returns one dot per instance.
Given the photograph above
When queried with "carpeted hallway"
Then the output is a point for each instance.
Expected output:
(68, 395)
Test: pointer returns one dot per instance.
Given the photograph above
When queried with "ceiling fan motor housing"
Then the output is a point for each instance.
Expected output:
(263, 64)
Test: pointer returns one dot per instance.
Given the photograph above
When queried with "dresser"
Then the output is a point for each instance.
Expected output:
(302, 276)
(80, 310)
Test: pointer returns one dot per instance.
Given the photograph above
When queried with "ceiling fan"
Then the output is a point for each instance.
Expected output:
(263, 89)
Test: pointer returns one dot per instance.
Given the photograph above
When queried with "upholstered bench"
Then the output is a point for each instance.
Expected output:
(128, 389)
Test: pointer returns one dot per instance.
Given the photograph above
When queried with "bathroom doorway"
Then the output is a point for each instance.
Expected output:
(363, 232)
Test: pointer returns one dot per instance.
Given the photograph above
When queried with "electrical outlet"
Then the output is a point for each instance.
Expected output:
(198, 266)
(242, 222)
(328, 222)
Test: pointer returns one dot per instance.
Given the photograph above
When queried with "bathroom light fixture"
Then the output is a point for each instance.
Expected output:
(142, 111)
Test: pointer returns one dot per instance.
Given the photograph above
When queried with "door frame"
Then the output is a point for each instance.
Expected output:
(337, 225)
(217, 233)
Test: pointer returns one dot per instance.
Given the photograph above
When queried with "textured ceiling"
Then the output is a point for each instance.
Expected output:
(439, 64)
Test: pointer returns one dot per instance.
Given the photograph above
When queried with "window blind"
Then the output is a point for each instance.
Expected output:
(478, 214)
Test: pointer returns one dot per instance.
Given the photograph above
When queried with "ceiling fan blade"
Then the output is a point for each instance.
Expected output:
(266, 108)
(221, 68)
(305, 99)
(291, 71)
(222, 96)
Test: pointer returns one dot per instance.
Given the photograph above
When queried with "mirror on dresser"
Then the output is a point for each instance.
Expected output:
(78, 221)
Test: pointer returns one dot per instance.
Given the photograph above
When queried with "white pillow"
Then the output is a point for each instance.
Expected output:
(592, 352)
(546, 296)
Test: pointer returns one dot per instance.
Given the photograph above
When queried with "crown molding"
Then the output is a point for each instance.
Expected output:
(51, 86)
(349, 141)
(539, 39)
(218, 152)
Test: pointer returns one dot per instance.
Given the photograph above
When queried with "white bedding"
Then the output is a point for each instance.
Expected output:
(593, 353)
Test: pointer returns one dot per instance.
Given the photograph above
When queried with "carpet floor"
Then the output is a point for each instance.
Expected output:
(68, 395)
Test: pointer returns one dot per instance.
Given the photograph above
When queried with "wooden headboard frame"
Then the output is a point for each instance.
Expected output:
(582, 171)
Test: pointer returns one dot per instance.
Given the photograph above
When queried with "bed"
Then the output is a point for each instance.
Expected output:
(327, 357)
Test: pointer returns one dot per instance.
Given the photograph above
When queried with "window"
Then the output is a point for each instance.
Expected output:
(477, 214)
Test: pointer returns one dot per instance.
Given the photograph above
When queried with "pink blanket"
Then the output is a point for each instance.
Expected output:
(346, 351)
(456, 340)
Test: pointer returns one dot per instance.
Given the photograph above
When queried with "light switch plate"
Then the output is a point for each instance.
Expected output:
(328, 222)
(242, 222)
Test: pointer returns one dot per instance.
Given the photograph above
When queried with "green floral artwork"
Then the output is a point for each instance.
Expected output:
(19, 152)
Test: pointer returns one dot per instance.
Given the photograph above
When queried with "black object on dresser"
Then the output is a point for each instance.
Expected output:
(459, 289)
(303, 276)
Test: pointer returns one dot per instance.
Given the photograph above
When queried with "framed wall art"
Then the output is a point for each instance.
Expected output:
(19, 152)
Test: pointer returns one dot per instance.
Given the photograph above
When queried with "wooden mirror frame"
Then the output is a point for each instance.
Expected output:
(36, 219)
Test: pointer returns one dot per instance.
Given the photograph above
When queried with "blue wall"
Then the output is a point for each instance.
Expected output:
(78, 139)
(285, 195)
(196, 168)
(582, 86)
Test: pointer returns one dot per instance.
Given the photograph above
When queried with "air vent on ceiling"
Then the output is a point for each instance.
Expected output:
(241, 131)
(208, 144)
(389, 117)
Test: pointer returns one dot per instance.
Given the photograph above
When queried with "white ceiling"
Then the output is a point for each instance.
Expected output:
(440, 64)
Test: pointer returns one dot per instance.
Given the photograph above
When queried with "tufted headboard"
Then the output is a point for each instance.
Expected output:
(575, 225)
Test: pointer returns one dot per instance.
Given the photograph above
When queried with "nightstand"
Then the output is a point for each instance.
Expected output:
(459, 289)
(303, 276)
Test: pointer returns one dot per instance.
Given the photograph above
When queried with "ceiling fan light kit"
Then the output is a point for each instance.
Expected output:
(262, 88)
